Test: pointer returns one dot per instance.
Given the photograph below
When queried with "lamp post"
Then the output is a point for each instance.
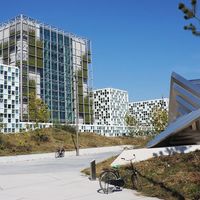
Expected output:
(77, 114)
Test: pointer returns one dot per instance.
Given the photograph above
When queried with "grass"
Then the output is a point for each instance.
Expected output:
(100, 166)
(48, 140)
(167, 177)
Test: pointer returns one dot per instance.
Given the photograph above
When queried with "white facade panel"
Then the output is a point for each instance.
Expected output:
(110, 106)
(9, 98)
(142, 110)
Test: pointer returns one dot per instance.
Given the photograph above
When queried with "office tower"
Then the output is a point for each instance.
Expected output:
(55, 64)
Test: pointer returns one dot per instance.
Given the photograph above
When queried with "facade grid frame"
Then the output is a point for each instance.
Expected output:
(142, 110)
(51, 58)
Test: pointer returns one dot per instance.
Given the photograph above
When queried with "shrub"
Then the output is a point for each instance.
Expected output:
(1, 139)
(2, 145)
(68, 128)
(40, 136)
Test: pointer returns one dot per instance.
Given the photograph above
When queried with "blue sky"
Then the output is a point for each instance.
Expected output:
(136, 44)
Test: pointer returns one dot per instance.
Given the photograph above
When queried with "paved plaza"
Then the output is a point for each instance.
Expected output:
(56, 179)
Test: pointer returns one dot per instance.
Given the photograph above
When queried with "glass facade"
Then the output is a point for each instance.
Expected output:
(54, 64)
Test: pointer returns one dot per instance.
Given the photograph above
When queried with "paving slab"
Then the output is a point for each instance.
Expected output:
(56, 179)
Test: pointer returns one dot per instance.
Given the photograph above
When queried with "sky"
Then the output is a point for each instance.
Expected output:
(136, 44)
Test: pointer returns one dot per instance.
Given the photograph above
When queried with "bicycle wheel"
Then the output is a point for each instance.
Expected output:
(104, 181)
(56, 154)
(135, 181)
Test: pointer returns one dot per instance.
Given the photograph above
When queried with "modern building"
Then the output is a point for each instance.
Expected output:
(105, 130)
(53, 63)
(9, 99)
(110, 106)
(142, 110)
(111, 131)
(184, 114)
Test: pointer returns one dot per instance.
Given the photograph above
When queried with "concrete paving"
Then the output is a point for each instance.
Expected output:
(56, 179)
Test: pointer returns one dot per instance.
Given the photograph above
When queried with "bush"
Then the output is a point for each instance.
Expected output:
(68, 128)
(40, 136)
(2, 144)
(1, 139)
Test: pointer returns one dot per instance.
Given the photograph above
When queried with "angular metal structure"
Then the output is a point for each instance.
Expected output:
(184, 114)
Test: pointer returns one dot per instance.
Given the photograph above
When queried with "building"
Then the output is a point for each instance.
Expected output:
(184, 115)
(55, 64)
(142, 110)
(9, 98)
(110, 106)
(111, 131)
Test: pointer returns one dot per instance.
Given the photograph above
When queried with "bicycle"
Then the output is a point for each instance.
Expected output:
(60, 153)
(111, 179)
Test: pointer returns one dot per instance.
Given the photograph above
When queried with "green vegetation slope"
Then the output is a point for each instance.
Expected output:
(48, 140)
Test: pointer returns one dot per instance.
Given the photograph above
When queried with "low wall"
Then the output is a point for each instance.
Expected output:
(144, 154)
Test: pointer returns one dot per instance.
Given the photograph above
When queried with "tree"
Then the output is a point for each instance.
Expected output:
(1, 126)
(130, 122)
(190, 13)
(37, 109)
(159, 119)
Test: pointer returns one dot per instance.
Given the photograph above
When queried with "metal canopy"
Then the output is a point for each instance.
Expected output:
(184, 114)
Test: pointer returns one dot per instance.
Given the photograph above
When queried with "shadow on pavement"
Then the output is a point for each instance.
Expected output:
(110, 190)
